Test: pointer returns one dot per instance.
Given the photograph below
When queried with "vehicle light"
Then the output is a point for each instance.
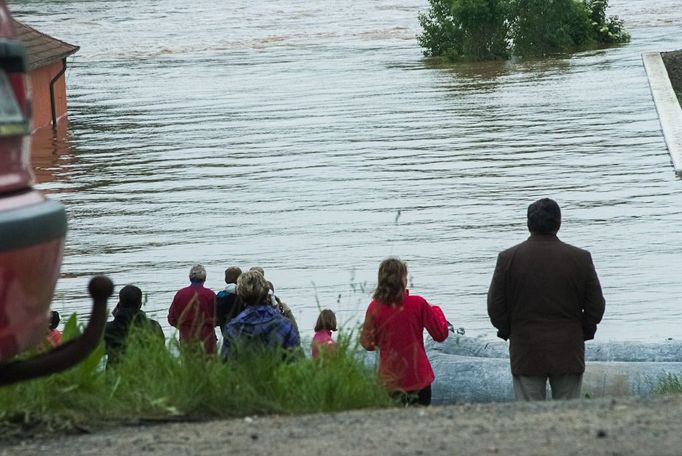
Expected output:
(19, 87)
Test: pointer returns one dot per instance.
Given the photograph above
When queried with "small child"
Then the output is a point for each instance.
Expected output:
(228, 304)
(326, 323)
(53, 335)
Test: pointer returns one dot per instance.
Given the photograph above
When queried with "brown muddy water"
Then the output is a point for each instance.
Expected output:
(311, 138)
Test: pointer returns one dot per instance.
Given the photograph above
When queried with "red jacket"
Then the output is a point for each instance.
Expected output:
(398, 333)
(193, 313)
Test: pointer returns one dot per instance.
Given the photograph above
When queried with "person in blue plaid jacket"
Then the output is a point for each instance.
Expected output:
(259, 326)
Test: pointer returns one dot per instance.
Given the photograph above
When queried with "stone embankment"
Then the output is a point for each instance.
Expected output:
(475, 370)
(662, 69)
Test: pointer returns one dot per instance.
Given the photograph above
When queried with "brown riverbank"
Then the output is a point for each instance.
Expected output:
(673, 63)
(594, 427)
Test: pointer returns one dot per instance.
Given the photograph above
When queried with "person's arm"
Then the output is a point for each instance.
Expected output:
(221, 308)
(435, 322)
(158, 332)
(293, 340)
(594, 304)
(231, 332)
(286, 311)
(173, 312)
(210, 312)
(368, 332)
(497, 302)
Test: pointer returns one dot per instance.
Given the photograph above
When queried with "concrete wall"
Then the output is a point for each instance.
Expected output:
(473, 370)
(667, 105)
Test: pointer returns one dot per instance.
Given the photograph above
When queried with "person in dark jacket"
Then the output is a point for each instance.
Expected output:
(128, 315)
(228, 304)
(259, 326)
(545, 297)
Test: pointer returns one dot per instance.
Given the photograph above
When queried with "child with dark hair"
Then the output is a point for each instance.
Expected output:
(322, 340)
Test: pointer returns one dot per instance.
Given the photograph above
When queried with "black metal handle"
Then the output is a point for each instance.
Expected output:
(71, 352)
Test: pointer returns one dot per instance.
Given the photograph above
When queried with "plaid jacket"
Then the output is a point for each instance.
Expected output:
(259, 326)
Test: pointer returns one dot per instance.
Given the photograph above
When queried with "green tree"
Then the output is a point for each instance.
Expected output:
(469, 29)
(494, 29)
(606, 30)
(543, 27)
(440, 36)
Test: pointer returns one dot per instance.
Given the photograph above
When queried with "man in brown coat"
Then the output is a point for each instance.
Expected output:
(546, 298)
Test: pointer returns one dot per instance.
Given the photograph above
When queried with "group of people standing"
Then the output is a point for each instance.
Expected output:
(246, 310)
(544, 297)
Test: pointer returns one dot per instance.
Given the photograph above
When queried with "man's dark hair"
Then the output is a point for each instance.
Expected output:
(544, 217)
(130, 297)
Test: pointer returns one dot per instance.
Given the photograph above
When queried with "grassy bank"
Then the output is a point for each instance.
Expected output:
(156, 383)
(670, 384)
(673, 63)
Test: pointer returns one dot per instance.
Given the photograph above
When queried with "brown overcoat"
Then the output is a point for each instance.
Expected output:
(546, 298)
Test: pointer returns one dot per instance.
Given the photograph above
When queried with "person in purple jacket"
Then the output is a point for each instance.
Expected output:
(259, 326)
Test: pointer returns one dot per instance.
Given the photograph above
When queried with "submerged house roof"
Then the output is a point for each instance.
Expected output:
(42, 49)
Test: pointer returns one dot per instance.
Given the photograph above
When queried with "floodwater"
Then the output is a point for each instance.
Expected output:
(311, 138)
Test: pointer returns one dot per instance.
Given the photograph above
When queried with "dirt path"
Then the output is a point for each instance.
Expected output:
(587, 427)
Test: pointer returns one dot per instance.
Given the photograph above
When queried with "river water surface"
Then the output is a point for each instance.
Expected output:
(311, 138)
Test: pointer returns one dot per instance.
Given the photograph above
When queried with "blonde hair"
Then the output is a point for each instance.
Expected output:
(391, 281)
(252, 288)
(326, 320)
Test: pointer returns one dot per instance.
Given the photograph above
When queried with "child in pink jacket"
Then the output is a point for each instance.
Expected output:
(322, 340)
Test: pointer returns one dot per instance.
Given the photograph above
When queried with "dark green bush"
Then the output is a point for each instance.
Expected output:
(547, 26)
(471, 29)
(607, 30)
(493, 29)
(441, 37)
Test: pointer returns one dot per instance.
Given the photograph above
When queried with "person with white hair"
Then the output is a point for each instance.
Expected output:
(193, 311)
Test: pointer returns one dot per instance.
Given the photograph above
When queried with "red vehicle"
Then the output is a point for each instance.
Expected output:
(32, 232)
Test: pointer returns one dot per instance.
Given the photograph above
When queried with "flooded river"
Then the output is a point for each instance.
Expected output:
(311, 138)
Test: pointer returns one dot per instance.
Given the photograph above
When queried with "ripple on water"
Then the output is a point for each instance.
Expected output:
(312, 139)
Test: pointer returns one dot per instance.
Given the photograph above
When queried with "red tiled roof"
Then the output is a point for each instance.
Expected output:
(42, 49)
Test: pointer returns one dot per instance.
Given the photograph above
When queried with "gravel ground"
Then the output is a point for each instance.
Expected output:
(586, 427)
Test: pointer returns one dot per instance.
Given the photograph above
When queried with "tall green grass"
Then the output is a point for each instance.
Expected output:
(669, 384)
(157, 382)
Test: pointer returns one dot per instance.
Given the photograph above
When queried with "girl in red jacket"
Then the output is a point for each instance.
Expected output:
(395, 323)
